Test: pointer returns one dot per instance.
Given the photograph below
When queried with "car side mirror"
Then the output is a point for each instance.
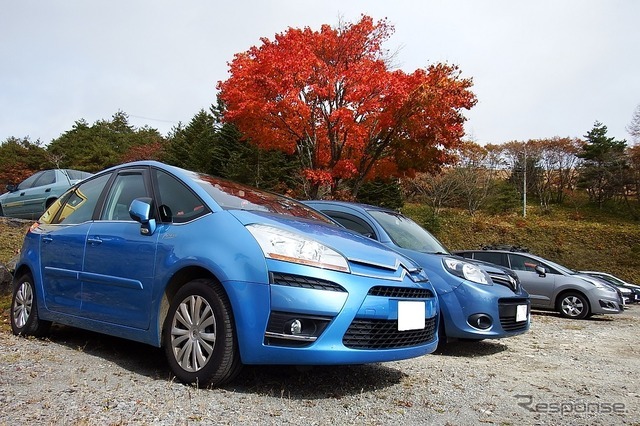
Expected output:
(541, 271)
(11, 187)
(140, 211)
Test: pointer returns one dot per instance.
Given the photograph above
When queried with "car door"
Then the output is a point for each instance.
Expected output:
(34, 198)
(540, 288)
(17, 202)
(119, 261)
(64, 230)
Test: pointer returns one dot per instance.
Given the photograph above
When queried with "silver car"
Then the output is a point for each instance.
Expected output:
(553, 286)
(30, 198)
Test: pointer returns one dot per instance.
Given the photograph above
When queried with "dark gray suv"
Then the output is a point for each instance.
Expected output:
(553, 286)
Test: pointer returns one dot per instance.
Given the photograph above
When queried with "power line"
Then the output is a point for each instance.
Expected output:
(153, 119)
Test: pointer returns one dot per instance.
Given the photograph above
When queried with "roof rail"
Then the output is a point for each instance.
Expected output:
(506, 247)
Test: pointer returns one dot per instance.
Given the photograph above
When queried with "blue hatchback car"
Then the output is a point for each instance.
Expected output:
(219, 274)
(478, 300)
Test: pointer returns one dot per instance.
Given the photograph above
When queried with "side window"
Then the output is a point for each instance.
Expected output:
(523, 263)
(28, 182)
(353, 223)
(177, 203)
(46, 178)
(77, 174)
(491, 257)
(126, 187)
(78, 204)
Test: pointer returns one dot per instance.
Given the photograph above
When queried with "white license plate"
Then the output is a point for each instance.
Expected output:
(411, 315)
(521, 313)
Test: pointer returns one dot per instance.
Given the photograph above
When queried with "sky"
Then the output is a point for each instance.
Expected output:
(540, 69)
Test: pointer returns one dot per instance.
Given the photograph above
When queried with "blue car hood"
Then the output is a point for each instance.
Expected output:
(353, 246)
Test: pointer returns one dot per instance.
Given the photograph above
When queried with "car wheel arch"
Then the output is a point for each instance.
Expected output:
(561, 295)
(210, 331)
(24, 312)
(177, 280)
(21, 270)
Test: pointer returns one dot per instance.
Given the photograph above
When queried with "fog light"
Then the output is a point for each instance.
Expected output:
(296, 327)
(481, 321)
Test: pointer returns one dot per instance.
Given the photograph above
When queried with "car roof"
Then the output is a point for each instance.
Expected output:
(353, 204)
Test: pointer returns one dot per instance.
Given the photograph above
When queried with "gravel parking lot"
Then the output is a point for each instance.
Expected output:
(561, 372)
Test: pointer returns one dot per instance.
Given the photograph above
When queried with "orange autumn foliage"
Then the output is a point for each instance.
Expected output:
(331, 97)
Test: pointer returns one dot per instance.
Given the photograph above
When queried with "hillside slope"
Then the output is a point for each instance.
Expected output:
(594, 243)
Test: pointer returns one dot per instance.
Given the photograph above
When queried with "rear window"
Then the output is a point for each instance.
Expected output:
(77, 174)
(492, 257)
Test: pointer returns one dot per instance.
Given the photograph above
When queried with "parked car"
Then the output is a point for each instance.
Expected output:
(31, 197)
(219, 274)
(477, 300)
(632, 291)
(553, 286)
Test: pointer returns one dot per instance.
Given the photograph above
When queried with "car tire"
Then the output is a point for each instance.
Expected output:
(199, 335)
(24, 310)
(574, 306)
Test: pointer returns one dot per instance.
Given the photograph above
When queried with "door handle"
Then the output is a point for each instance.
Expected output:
(94, 241)
(47, 239)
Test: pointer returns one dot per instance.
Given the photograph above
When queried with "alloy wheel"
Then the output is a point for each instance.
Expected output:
(193, 333)
(22, 304)
(572, 306)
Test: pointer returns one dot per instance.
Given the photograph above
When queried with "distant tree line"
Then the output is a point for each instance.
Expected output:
(490, 178)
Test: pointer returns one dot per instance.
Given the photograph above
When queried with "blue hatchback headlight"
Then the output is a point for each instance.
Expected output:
(466, 270)
(288, 246)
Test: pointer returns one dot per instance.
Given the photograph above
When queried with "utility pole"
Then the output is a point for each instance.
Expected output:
(524, 189)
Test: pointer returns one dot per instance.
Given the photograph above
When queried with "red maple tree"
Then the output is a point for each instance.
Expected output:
(332, 97)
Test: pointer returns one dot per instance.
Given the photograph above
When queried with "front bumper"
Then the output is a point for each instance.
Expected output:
(476, 311)
(605, 302)
(311, 316)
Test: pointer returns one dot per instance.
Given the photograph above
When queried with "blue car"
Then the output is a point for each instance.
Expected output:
(477, 300)
(219, 275)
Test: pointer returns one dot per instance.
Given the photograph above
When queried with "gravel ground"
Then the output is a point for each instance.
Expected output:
(561, 372)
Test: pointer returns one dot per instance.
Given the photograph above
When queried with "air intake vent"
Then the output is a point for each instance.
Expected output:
(401, 292)
(384, 334)
(304, 282)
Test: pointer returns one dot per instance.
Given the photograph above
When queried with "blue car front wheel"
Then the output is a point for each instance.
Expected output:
(199, 335)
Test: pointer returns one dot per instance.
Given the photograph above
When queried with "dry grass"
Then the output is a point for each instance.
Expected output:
(11, 235)
(587, 242)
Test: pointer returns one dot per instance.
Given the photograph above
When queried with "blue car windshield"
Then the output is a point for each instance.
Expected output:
(235, 196)
(407, 234)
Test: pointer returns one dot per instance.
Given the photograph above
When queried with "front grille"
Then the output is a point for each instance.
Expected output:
(401, 292)
(507, 309)
(304, 282)
(504, 280)
(384, 334)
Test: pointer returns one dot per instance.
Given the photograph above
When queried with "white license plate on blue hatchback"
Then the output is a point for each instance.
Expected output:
(411, 315)
(521, 313)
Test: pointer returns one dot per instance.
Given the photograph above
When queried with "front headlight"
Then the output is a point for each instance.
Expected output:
(466, 270)
(288, 246)
(598, 284)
